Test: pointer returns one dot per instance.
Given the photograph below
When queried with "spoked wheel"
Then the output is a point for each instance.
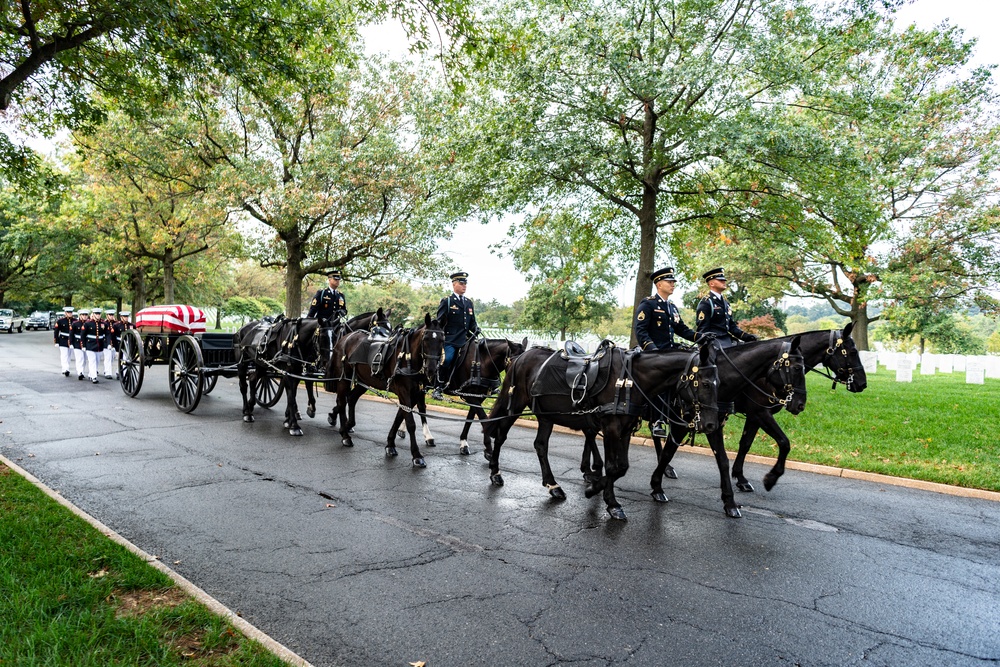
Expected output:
(267, 390)
(186, 377)
(208, 383)
(131, 363)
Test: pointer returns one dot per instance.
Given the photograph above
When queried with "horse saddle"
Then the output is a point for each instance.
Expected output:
(572, 370)
(373, 351)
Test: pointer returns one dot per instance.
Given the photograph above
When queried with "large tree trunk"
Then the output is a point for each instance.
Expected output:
(647, 251)
(139, 287)
(168, 277)
(293, 277)
(860, 332)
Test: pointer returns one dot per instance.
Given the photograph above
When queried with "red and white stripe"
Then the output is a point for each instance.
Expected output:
(171, 319)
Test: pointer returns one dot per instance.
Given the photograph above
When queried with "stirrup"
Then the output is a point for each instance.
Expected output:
(658, 429)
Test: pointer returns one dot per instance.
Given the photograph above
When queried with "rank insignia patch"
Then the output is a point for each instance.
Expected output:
(641, 317)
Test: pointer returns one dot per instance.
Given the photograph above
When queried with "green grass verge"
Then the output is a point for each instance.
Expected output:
(70, 596)
(936, 429)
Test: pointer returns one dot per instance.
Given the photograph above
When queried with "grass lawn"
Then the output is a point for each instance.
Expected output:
(71, 596)
(936, 428)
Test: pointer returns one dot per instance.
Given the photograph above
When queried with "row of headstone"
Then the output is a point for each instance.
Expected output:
(976, 367)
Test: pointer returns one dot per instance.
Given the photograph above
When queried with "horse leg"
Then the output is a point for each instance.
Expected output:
(406, 398)
(244, 375)
(311, 402)
(668, 470)
(542, 451)
(677, 433)
(421, 404)
(463, 439)
(344, 393)
(390, 444)
(477, 412)
(292, 408)
(770, 426)
(616, 444)
(750, 428)
(500, 437)
(728, 498)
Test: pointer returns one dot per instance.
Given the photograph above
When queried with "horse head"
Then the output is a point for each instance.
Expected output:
(302, 342)
(698, 389)
(788, 375)
(844, 361)
(430, 344)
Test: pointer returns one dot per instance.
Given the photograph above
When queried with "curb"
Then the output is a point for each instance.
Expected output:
(819, 469)
(248, 630)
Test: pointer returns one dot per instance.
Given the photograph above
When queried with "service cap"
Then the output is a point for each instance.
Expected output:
(663, 274)
(715, 274)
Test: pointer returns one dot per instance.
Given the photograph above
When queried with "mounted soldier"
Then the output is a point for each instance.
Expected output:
(329, 305)
(457, 316)
(655, 323)
(715, 315)
(61, 334)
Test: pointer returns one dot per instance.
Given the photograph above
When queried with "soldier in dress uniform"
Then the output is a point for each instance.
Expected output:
(93, 342)
(61, 334)
(657, 319)
(126, 319)
(457, 316)
(110, 343)
(77, 343)
(329, 305)
(715, 315)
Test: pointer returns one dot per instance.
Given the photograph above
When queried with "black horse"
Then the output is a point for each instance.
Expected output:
(612, 409)
(407, 363)
(474, 376)
(288, 349)
(836, 351)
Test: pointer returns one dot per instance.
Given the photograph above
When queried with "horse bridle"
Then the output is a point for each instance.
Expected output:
(687, 389)
(783, 366)
(836, 343)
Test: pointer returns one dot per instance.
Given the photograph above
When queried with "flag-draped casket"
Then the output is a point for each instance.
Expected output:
(171, 319)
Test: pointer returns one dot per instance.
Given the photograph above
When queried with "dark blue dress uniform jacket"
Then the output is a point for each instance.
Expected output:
(328, 304)
(656, 321)
(457, 316)
(61, 331)
(93, 336)
(715, 315)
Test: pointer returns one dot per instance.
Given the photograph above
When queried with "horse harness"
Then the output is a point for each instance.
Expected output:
(836, 343)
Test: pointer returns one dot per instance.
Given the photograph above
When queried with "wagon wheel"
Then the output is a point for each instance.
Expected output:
(208, 383)
(267, 389)
(186, 377)
(131, 364)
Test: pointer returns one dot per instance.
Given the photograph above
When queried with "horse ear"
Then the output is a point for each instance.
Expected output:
(524, 343)
(795, 343)
(848, 329)
(379, 314)
(427, 319)
(706, 352)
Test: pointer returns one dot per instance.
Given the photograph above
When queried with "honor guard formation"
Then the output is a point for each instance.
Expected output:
(93, 336)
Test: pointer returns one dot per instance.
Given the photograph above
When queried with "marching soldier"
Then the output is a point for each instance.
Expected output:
(329, 305)
(457, 315)
(657, 319)
(61, 334)
(77, 343)
(110, 342)
(715, 315)
(93, 342)
(126, 318)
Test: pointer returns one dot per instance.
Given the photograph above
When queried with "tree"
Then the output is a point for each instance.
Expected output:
(625, 109)
(899, 208)
(570, 270)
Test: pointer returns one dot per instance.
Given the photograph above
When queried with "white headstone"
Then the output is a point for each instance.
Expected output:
(945, 363)
(927, 363)
(904, 370)
(960, 361)
(889, 359)
(914, 358)
(993, 368)
(870, 361)
(974, 372)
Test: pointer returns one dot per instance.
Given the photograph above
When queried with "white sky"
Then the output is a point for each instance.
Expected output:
(493, 277)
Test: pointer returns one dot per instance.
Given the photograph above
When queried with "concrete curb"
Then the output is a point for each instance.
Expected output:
(846, 473)
(188, 587)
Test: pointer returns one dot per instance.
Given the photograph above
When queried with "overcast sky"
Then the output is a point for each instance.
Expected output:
(493, 277)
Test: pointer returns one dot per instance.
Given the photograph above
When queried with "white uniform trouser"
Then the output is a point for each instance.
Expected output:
(92, 363)
(109, 362)
(64, 355)
(80, 359)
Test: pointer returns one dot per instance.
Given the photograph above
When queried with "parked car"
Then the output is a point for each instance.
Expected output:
(10, 321)
(41, 319)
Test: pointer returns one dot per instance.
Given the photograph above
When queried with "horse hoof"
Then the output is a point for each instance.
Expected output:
(496, 480)
(617, 513)
(487, 454)
(348, 442)
(670, 473)
(659, 496)
(298, 415)
(248, 418)
(464, 450)
(770, 481)
(430, 443)
(557, 493)
(419, 463)
(746, 487)
(350, 430)
(284, 424)
(311, 412)
(592, 477)
(591, 490)
(391, 451)
(400, 433)
(294, 431)
(733, 513)
(331, 419)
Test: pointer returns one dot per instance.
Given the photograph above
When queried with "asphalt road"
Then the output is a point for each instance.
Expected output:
(349, 558)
